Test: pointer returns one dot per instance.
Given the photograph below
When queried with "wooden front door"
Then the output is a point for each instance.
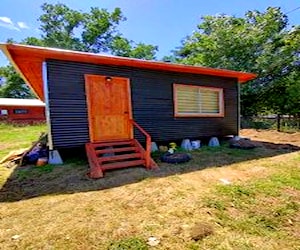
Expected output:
(109, 108)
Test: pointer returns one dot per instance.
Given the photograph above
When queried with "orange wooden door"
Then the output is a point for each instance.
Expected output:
(109, 107)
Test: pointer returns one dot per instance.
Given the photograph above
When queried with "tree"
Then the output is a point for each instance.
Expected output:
(260, 42)
(123, 47)
(62, 27)
(13, 85)
(94, 31)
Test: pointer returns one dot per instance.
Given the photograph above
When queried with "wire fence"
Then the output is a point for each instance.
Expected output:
(285, 123)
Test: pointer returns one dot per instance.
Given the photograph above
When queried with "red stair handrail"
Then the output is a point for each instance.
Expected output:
(148, 144)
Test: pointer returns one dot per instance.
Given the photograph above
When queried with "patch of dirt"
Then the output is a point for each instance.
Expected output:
(201, 230)
(6, 145)
(294, 193)
(273, 136)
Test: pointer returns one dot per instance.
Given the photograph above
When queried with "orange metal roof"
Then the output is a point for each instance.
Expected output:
(28, 61)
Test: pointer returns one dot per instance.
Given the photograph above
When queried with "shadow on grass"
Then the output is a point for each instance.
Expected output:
(29, 182)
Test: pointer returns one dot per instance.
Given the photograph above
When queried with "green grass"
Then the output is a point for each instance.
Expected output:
(213, 156)
(261, 207)
(13, 137)
(18, 136)
(33, 172)
(128, 244)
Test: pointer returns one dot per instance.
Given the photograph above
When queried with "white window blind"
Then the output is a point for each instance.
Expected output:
(195, 100)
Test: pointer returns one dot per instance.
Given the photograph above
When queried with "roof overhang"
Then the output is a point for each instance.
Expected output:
(28, 61)
(21, 102)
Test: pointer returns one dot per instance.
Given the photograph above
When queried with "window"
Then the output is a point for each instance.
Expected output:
(3, 112)
(191, 100)
(20, 111)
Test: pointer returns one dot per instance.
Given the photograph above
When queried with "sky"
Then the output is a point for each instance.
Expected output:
(158, 22)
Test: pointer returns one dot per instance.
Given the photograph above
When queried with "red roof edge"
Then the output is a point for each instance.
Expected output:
(17, 54)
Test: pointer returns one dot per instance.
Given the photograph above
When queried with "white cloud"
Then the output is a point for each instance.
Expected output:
(9, 26)
(6, 20)
(22, 25)
(7, 23)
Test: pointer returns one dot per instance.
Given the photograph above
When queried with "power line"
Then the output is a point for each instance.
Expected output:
(292, 10)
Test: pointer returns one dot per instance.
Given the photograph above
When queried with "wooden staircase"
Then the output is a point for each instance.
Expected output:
(108, 155)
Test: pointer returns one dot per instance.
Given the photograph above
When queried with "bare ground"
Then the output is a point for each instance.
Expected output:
(272, 136)
(62, 209)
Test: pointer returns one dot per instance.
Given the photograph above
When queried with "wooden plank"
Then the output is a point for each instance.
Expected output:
(110, 144)
(99, 164)
(119, 157)
(149, 162)
(116, 150)
(123, 164)
(95, 168)
(31, 69)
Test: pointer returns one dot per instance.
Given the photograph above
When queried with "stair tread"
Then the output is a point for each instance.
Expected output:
(111, 143)
(119, 157)
(115, 150)
(122, 164)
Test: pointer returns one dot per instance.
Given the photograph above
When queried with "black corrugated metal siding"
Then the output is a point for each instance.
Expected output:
(152, 102)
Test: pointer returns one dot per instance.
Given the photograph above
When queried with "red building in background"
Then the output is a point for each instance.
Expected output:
(22, 110)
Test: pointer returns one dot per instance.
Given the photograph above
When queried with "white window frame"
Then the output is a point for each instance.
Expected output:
(200, 114)
(3, 112)
(20, 111)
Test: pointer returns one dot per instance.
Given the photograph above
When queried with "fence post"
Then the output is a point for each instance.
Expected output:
(278, 122)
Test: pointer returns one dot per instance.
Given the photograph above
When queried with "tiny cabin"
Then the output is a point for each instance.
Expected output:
(93, 99)
(22, 110)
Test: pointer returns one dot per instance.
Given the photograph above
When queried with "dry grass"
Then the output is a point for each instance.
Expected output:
(59, 208)
(273, 136)
(13, 137)
(18, 136)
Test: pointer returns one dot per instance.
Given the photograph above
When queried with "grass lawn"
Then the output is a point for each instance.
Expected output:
(249, 199)
(13, 137)
(18, 136)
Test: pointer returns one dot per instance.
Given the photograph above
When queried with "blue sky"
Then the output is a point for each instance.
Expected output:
(159, 22)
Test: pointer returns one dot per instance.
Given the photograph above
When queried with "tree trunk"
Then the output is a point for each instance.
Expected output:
(278, 122)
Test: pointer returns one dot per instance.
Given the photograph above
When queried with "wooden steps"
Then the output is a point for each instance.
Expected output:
(123, 164)
(108, 155)
(115, 150)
